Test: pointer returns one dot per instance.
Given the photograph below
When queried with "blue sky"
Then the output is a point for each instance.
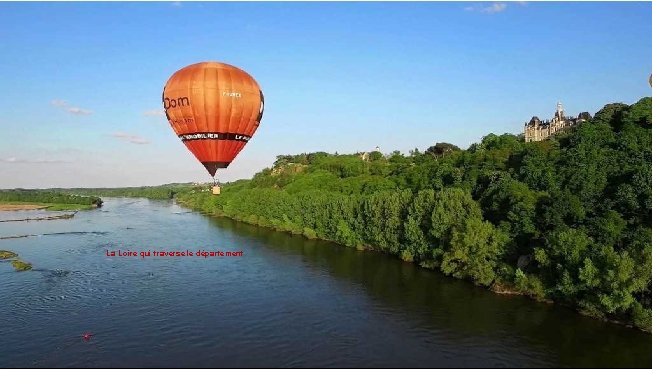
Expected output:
(82, 82)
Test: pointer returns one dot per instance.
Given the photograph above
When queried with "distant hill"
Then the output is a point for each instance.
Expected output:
(166, 191)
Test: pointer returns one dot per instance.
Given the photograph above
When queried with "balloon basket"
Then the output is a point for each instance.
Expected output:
(216, 190)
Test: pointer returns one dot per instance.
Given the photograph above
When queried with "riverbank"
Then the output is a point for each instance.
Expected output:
(52, 217)
(14, 207)
(522, 287)
(24, 205)
(21, 199)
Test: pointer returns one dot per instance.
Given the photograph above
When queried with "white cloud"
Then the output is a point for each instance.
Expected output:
(134, 139)
(154, 113)
(70, 109)
(491, 9)
(177, 4)
(495, 8)
(78, 111)
(32, 161)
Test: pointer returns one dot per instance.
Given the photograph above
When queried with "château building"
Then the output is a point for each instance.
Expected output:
(536, 130)
(365, 155)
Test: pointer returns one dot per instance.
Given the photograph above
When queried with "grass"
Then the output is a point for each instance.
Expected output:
(69, 207)
(20, 265)
(4, 254)
(51, 206)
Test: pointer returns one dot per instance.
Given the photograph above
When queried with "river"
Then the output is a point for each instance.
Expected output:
(287, 301)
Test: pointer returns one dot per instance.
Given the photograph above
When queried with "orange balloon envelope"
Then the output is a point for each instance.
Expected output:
(215, 109)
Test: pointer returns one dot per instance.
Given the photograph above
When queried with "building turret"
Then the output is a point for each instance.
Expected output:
(559, 114)
(535, 121)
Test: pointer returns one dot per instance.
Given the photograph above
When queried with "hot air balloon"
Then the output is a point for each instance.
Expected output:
(215, 109)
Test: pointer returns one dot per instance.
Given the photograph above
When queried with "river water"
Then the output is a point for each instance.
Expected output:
(286, 301)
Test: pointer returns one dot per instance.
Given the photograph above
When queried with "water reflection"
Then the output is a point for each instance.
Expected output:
(459, 309)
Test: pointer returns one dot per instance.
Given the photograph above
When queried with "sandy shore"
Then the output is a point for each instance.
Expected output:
(10, 207)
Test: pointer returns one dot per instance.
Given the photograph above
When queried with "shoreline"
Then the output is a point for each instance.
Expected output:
(52, 217)
(498, 288)
(26, 205)
(17, 207)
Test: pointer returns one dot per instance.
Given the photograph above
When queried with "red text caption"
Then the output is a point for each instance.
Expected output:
(164, 254)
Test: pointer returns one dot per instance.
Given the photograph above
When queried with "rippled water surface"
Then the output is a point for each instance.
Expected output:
(287, 301)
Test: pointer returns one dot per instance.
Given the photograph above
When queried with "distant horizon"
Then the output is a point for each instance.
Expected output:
(84, 104)
(384, 152)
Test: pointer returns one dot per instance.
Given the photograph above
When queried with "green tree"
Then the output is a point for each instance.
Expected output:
(639, 113)
(474, 251)
(441, 149)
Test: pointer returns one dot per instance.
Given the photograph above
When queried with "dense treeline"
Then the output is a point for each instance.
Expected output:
(163, 192)
(568, 219)
(49, 197)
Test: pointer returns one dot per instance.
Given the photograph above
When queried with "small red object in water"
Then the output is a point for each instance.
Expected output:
(87, 336)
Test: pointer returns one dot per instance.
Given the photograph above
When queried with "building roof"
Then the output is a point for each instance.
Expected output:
(534, 121)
